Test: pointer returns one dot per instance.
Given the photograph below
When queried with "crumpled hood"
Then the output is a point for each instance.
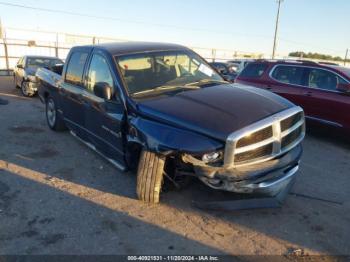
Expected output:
(215, 111)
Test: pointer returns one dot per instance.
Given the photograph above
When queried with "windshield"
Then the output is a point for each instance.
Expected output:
(165, 71)
(43, 62)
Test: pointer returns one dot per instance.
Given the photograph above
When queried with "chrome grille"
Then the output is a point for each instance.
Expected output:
(265, 139)
(255, 153)
(291, 121)
(256, 137)
(290, 138)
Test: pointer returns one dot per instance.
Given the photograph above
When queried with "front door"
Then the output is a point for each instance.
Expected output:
(103, 118)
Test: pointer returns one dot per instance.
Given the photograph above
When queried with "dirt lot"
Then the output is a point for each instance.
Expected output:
(58, 197)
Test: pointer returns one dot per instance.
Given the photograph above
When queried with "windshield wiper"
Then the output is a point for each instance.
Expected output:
(161, 88)
(206, 81)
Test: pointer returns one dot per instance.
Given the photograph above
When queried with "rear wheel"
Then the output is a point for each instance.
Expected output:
(150, 176)
(54, 120)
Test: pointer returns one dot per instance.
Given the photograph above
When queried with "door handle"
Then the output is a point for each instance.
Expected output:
(268, 87)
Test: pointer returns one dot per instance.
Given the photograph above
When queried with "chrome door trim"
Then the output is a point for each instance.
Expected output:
(331, 123)
(98, 137)
(112, 161)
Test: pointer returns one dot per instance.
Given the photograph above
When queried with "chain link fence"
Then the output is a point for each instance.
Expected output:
(15, 43)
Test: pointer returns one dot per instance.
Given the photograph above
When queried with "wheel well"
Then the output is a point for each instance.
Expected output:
(132, 154)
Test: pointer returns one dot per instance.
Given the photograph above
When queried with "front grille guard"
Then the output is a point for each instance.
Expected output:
(276, 139)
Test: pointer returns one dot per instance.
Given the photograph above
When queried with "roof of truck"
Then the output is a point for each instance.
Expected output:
(121, 48)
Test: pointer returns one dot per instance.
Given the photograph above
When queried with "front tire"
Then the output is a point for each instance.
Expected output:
(54, 120)
(150, 176)
(25, 89)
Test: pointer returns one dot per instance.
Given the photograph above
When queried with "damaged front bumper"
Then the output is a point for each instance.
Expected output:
(32, 87)
(268, 178)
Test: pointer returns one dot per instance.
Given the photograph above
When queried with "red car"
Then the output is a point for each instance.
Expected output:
(323, 91)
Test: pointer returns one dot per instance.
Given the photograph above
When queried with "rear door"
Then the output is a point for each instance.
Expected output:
(71, 91)
(324, 102)
(103, 118)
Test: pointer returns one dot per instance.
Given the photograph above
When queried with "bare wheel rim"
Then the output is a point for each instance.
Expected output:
(51, 112)
(25, 88)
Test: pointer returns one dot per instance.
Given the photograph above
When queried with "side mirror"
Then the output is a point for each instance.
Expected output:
(103, 90)
(20, 66)
(343, 87)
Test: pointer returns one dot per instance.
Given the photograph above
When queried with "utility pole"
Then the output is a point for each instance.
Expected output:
(346, 56)
(213, 54)
(56, 46)
(276, 29)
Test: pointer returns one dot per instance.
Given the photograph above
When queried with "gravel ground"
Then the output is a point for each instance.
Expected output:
(59, 197)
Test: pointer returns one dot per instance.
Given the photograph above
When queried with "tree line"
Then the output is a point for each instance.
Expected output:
(317, 56)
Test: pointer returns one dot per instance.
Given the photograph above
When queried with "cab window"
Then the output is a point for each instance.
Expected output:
(99, 72)
(75, 68)
(289, 74)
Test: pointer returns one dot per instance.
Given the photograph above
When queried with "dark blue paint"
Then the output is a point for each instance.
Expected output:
(194, 121)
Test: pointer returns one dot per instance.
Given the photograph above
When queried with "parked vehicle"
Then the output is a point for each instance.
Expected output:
(162, 106)
(227, 70)
(25, 69)
(323, 91)
(241, 63)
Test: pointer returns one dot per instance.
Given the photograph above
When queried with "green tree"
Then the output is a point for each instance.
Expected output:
(311, 55)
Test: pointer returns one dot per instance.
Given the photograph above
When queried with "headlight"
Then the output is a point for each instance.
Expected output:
(211, 157)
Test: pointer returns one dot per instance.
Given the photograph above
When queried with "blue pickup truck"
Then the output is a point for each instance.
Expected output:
(163, 111)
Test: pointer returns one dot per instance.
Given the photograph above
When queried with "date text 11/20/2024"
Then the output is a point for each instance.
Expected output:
(173, 258)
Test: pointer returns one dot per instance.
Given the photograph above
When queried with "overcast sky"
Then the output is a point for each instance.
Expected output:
(243, 25)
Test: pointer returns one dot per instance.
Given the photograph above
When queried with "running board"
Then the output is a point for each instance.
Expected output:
(113, 162)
